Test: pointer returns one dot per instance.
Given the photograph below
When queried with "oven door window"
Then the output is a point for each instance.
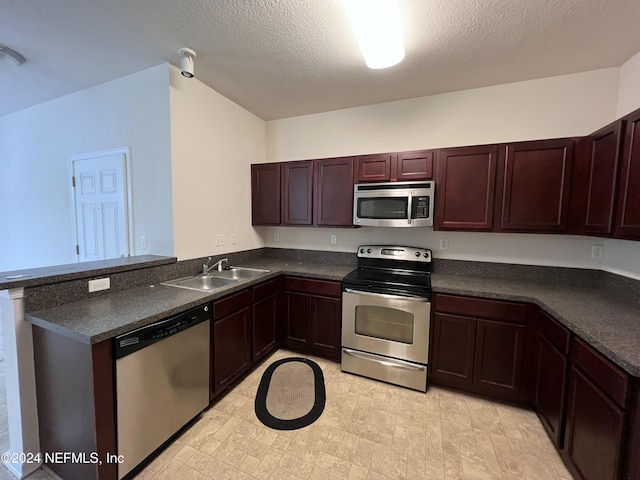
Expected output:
(383, 207)
(385, 323)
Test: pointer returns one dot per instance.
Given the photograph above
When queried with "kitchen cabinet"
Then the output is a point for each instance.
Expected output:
(604, 151)
(297, 193)
(465, 188)
(478, 345)
(395, 167)
(313, 316)
(536, 179)
(265, 194)
(551, 375)
(333, 191)
(265, 318)
(596, 415)
(628, 212)
(231, 339)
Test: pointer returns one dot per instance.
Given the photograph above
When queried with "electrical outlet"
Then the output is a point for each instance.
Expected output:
(597, 251)
(143, 242)
(276, 237)
(444, 244)
(99, 284)
(234, 239)
(334, 239)
(219, 239)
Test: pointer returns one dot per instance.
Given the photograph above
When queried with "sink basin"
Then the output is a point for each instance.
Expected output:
(238, 273)
(204, 283)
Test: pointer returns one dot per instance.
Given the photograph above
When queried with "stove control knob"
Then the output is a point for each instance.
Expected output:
(362, 250)
(417, 254)
(368, 250)
(425, 254)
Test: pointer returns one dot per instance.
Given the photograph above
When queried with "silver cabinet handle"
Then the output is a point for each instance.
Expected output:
(409, 205)
(395, 363)
(386, 295)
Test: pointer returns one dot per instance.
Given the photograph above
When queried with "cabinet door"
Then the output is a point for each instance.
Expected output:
(374, 168)
(551, 380)
(265, 313)
(333, 187)
(498, 356)
(537, 178)
(604, 158)
(465, 188)
(298, 319)
(326, 323)
(452, 347)
(231, 347)
(411, 166)
(628, 217)
(297, 193)
(265, 194)
(595, 430)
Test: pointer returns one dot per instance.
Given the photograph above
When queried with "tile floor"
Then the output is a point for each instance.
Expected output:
(369, 430)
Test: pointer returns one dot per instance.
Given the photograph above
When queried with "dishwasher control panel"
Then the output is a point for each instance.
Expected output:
(135, 340)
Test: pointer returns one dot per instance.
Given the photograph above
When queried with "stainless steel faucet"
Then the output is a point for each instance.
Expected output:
(219, 265)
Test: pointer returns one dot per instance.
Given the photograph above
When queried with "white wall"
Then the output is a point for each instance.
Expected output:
(213, 143)
(35, 215)
(570, 105)
(629, 87)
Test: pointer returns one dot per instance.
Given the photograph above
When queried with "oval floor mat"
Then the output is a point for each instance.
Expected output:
(291, 394)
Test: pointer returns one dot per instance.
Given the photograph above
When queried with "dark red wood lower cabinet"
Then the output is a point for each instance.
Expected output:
(551, 380)
(595, 430)
(498, 355)
(326, 324)
(231, 348)
(453, 348)
(265, 314)
(298, 319)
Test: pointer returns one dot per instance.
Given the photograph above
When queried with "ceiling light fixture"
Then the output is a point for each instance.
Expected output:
(19, 59)
(377, 27)
(187, 56)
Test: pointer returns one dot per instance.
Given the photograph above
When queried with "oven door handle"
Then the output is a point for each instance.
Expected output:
(386, 295)
(387, 363)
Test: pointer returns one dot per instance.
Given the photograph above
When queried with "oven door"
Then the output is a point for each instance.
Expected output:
(390, 325)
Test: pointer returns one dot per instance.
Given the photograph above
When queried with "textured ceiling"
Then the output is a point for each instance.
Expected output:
(281, 58)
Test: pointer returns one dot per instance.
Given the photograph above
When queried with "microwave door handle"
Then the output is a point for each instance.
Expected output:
(409, 205)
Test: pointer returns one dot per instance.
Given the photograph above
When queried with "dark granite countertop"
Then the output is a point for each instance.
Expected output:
(104, 317)
(32, 277)
(609, 323)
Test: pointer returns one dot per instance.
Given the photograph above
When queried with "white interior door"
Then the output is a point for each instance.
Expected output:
(100, 204)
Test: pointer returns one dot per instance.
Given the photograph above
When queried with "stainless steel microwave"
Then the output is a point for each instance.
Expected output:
(395, 204)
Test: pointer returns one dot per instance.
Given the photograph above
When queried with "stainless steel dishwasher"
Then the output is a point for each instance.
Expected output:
(162, 382)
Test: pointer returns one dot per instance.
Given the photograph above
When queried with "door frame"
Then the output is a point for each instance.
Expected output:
(128, 204)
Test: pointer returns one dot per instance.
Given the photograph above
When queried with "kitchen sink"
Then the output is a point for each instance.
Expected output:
(216, 279)
(238, 273)
(204, 283)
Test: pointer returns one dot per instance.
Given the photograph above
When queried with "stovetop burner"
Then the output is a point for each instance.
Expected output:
(392, 269)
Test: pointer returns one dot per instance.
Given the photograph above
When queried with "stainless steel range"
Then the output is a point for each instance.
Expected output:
(386, 313)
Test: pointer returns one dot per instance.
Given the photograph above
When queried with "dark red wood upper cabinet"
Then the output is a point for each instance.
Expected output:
(409, 166)
(374, 168)
(628, 208)
(536, 188)
(297, 193)
(265, 194)
(604, 158)
(465, 188)
(333, 191)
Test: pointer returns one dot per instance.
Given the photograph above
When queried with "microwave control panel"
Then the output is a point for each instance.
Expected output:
(420, 207)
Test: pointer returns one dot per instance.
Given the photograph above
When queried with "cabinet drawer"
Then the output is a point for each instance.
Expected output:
(325, 288)
(265, 289)
(480, 307)
(558, 335)
(232, 303)
(605, 374)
